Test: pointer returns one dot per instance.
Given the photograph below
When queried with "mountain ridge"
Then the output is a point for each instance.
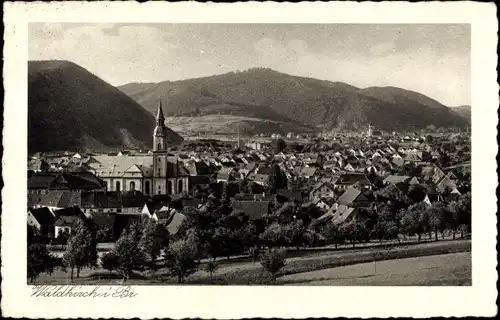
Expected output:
(306, 101)
(56, 86)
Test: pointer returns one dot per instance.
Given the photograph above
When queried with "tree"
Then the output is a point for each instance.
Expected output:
(436, 216)
(155, 237)
(130, 256)
(333, 233)
(352, 231)
(296, 234)
(414, 220)
(275, 235)
(109, 261)
(279, 145)
(81, 248)
(39, 261)
(460, 212)
(386, 226)
(254, 253)
(273, 260)
(277, 180)
(243, 185)
(210, 267)
(180, 258)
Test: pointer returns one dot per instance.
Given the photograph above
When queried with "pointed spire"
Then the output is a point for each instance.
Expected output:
(160, 118)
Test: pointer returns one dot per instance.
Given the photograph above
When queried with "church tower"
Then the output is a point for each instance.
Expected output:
(160, 154)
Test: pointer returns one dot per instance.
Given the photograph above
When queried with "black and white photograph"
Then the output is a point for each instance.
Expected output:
(239, 154)
(277, 155)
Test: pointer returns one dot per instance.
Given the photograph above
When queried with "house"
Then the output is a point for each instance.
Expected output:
(66, 218)
(322, 190)
(347, 180)
(396, 180)
(397, 160)
(445, 184)
(309, 173)
(223, 176)
(353, 197)
(42, 219)
(320, 204)
(261, 179)
(432, 198)
(254, 209)
(41, 182)
(38, 165)
(339, 214)
(432, 174)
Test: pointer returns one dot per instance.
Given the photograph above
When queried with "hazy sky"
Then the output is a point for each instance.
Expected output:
(431, 59)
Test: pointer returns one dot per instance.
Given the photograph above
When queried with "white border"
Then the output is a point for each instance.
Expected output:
(239, 302)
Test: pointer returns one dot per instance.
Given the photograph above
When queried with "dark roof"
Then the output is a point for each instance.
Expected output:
(254, 209)
(44, 216)
(244, 196)
(191, 202)
(55, 198)
(66, 220)
(194, 180)
(112, 199)
(74, 211)
(290, 194)
(65, 181)
(199, 168)
(103, 219)
(264, 178)
(352, 178)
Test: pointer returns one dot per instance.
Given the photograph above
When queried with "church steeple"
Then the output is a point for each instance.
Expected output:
(160, 131)
(160, 118)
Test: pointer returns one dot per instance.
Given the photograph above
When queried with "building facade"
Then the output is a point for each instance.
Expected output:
(151, 174)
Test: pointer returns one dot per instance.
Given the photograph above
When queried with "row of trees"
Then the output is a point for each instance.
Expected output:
(385, 221)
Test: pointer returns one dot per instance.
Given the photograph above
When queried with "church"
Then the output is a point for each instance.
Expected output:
(159, 173)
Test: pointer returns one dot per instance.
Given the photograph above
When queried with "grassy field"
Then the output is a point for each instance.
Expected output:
(241, 271)
(449, 269)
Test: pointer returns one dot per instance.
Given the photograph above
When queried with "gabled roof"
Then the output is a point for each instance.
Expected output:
(395, 179)
(74, 211)
(342, 214)
(308, 171)
(175, 222)
(352, 178)
(349, 196)
(68, 181)
(44, 216)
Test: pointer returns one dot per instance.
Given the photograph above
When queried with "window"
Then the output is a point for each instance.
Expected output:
(170, 187)
(179, 186)
(117, 186)
(159, 189)
(146, 187)
(132, 186)
(159, 146)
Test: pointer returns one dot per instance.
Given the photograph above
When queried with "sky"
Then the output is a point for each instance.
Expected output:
(432, 59)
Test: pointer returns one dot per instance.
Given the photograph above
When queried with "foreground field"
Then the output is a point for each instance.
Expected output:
(242, 271)
(447, 269)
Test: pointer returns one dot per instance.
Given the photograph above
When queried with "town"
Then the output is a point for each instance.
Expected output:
(183, 206)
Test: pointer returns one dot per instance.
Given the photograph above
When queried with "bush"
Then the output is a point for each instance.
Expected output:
(39, 261)
(109, 261)
(273, 260)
